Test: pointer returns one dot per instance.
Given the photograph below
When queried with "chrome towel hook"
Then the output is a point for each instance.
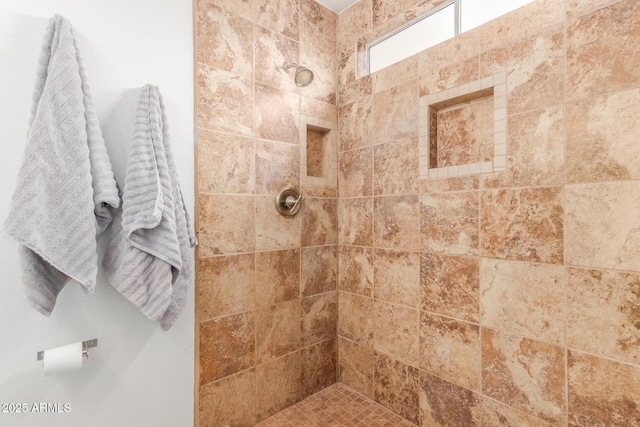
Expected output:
(288, 201)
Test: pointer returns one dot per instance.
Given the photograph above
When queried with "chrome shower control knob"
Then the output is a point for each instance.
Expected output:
(288, 201)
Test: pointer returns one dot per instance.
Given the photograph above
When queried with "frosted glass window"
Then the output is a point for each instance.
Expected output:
(443, 23)
(427, 32)
(474, 13)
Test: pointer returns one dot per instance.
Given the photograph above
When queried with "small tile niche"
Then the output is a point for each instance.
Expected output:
(317, 147)
(318, 153)
(463, 130)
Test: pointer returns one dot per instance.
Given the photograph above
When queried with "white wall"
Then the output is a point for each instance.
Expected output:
(138, 376)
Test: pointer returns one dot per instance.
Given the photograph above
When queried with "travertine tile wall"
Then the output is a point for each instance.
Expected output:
(472, 142)
(266, 285)
(508, 298)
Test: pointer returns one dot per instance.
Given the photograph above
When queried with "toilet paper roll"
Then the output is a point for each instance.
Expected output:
(63, 359)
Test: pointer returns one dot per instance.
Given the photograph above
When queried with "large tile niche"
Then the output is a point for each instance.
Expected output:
(463, 130)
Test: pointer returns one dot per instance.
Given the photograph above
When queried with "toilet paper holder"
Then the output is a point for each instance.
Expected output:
(85, 346)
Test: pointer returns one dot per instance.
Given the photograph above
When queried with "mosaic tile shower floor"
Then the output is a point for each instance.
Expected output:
(336, 406)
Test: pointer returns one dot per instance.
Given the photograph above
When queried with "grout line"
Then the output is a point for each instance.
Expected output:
(481, 328)
(564, 214)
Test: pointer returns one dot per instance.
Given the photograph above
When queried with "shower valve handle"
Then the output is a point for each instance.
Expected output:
(292, 202)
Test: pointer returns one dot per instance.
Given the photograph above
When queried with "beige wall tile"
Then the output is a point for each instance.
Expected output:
(525, 374)
(355, 124)
(325, 82)
(396, 74)
(225, 402)
(397, 386)
(395, 112)
(396, 332)
(355, 221)
(396, 168)
(602, 392)
(602, 135)
(523, 298)
(353, 22)
(351, 88)
(450, 349)
(356, 367)
(276, 114)
(603, 50)
(226, 224)
(535, 150)
(318, 26)
(444, 404)
(278, 330)
(319, 221)
(227, 346)
(319, 270)
(226, 285)
(318, 109)
(278, 384)
(244, 8)
(449, 223)
(460, 183)
(225, 40)
(356, 270)
(601, 233)
(449, 64)
(272, 50)
(397, 277)
(464, 133)
(532, 18)
(310, 190)
(499, 415)
(277, 277)
(225, 101)
(450, 285)
(319, 366)
(534, 68)
(274, 231)
(523, 224)
(319, 318)
(396, 222)
(355, 320)
(579, 7)
(226, 163)
(386, 10)
(282, 16)
(355, 173)
(603, 314)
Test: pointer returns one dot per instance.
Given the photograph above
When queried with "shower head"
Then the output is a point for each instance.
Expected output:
(301, 75)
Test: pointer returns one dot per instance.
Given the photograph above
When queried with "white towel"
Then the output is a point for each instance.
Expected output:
(65, 182)
(148, 257)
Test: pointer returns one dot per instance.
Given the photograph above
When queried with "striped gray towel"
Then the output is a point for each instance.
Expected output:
(148, 257)
(65, 182)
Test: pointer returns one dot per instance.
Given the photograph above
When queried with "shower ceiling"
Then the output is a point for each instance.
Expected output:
(337, 5)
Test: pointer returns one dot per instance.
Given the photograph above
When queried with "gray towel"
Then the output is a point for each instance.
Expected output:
(65, 182)
(148, 257)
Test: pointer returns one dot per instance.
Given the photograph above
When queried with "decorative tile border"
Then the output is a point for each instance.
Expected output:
(330, 153)
(497, 82)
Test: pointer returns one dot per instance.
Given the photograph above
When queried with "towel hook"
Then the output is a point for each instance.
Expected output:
(288, 201)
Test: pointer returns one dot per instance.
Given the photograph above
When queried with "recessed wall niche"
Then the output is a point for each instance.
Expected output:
(317, 145)
(463, 130)
(318, 152)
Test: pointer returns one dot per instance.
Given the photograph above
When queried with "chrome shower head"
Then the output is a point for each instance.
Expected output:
(302, 75)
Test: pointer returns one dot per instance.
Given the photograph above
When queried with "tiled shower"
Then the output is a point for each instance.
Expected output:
(500, 298)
